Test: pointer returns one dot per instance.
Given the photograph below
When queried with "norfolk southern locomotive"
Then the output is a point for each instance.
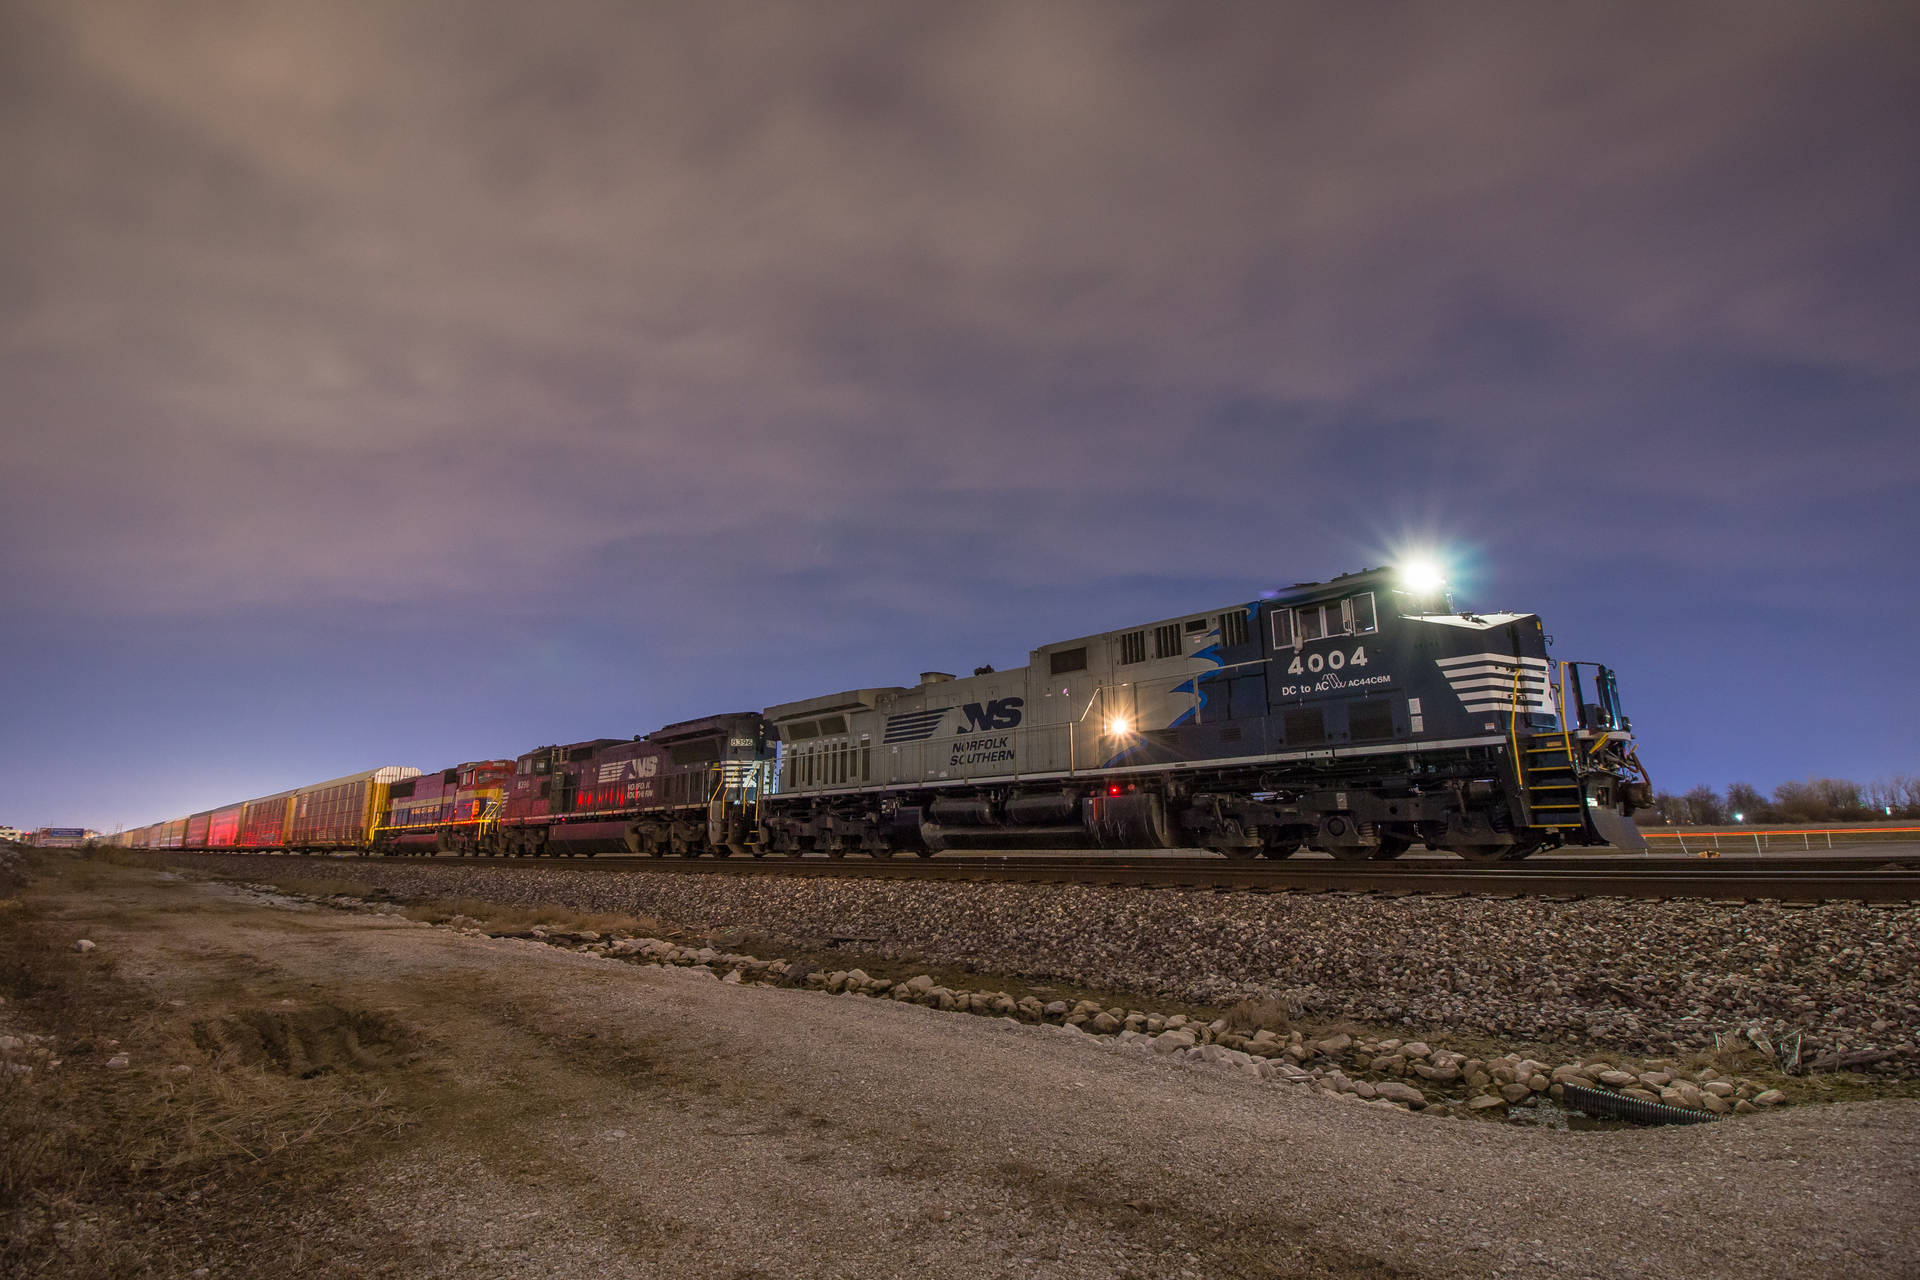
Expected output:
(1358, 716)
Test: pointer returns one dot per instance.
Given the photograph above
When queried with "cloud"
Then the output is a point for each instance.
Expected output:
(348, 303)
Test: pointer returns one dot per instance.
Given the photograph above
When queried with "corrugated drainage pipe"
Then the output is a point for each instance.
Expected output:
(1618, 1106)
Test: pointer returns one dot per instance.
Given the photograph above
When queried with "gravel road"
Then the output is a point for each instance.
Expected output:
(584, 1116)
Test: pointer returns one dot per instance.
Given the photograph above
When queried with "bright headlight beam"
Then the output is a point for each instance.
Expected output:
(1422, 577)
(1119, 727)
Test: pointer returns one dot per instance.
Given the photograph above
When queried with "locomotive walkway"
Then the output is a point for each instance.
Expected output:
(1879, 877)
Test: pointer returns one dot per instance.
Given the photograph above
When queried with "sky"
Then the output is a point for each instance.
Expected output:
(408, 384)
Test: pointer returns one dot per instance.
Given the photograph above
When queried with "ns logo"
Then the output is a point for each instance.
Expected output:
(1001, 713)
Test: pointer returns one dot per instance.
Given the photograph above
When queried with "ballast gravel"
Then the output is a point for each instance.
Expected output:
(1630, 975)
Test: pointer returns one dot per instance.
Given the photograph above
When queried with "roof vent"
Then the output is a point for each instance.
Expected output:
(935, 677)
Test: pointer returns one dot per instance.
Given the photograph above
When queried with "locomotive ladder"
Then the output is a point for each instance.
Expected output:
(1549, 772)
(724, 790)
(1553, 786)
(490, 818)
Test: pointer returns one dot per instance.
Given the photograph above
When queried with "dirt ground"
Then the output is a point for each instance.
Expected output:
(343, 1093)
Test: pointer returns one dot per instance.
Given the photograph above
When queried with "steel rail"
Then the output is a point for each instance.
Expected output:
(1411, 864)
(1830, 880)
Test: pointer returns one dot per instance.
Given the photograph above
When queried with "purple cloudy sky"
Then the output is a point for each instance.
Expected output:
(413, 383)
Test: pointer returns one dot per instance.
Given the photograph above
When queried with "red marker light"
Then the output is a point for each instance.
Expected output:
(1113, 791)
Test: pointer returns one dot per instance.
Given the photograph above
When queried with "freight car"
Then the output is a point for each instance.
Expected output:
(322, 817)
(1359, 716)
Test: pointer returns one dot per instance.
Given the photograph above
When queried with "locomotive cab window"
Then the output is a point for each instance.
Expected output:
(702, 751)
(1283, 636)
(1361, 614)
(1321, 621)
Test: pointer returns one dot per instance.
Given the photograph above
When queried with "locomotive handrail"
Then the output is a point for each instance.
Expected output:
(1513, 735)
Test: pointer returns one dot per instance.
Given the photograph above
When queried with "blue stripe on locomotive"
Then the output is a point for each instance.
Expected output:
(1243, 707)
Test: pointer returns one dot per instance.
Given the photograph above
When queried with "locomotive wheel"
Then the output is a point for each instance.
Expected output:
(1484, 855)
(722, 851)
(1237, 852)
(1391, 847)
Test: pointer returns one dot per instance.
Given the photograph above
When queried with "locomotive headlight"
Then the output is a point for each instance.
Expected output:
(1422, 577)
(1119, 727)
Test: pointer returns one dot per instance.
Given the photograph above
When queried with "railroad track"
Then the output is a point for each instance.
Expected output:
(1861, 878)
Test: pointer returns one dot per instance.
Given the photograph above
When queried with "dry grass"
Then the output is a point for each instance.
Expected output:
(1250, 1016)
(518, 919)
(498, 917)
(1732, 1060)
(131, 1172)
(148, 859)
(325, 887)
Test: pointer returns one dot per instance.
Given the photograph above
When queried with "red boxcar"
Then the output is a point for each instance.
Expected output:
(263, 822)
(196, 837)
(223, 828)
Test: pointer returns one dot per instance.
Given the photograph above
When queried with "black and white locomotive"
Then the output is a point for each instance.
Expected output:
(1361, 716)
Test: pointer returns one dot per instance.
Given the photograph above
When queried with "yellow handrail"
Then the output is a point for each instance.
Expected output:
(1513, 729)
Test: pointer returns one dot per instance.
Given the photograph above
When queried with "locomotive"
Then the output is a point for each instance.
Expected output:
(1360, 717)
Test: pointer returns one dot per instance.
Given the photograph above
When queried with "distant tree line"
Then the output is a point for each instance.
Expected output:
(1814, 800)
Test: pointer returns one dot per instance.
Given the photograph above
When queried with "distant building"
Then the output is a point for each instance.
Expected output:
(64, 837)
